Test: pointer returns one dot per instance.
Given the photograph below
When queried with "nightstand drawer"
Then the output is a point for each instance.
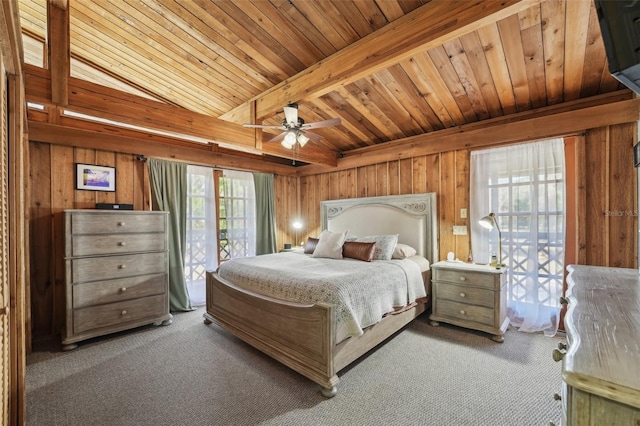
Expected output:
(466, 277)
(462, 311)
(465, 294)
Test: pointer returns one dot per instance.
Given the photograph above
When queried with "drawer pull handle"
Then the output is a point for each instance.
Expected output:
(463, 295)
(462, 312)
(562, 346)
(564, 301)
(557, 397)
(558, 355)
(121, 223)
(122, 243)
(123, 289)
(463, 278)
(122, 266)
(124, 313)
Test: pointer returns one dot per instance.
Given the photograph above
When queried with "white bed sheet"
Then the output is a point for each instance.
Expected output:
(361, 292)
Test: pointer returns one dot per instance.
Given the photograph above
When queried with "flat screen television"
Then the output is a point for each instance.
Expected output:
(620, 27)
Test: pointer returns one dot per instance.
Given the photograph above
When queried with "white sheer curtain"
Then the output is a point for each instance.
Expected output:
(240, 212)
(524, 185)
(201, 243)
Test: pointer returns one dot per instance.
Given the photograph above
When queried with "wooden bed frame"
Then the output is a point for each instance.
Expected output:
(302, 336)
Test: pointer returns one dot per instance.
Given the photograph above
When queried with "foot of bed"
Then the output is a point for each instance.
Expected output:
(329, 392)
(434, 323)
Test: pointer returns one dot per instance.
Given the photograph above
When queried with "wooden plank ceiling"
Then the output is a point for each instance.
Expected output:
(216, 57)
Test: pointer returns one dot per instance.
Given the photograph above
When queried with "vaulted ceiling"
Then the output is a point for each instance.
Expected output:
(390, 69)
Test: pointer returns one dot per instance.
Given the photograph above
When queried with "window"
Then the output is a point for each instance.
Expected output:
(524, 185)
(201, 247)
(236, 223)
(220, 223)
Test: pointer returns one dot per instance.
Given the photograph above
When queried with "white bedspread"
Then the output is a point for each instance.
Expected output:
(361, 292)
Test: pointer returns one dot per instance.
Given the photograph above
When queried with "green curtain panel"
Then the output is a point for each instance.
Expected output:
(169, 193)
(265, 213)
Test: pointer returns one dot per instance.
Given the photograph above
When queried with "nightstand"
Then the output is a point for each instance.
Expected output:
(471, 296)
(295, 250)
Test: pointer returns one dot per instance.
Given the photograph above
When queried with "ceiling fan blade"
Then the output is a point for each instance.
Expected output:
(260, 126)
(277, 138)
(313, 136)
(291, 114)
(319, 124)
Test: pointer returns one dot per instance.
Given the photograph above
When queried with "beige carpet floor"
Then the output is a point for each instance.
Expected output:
(190, 373)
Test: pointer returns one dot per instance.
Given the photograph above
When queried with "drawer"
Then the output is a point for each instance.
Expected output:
(114, 314)
(480, 279)
(465, 294)
(101, 292)
(461, 311)
(118, 222)
(104, 268)
(88, 245)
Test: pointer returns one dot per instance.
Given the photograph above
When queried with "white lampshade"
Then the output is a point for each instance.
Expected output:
(302, 139)
(488, 221)
(289, 140)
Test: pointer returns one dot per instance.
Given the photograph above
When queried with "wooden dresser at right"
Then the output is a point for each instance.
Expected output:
(601, 365)
(117, 272)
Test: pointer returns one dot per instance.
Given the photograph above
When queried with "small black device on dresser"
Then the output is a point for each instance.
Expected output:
(110, 206)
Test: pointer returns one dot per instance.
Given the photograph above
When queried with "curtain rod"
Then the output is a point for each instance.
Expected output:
(144, 159)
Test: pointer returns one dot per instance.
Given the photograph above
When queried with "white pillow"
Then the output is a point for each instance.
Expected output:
(402, 251)
(330, 244)
(385, 244)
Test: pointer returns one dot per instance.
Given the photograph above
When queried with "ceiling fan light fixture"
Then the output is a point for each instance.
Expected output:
(302, 139)
(294, 127)
(289, 140)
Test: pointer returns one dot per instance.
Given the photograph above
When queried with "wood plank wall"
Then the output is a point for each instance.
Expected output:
(608, 205)
(605, 196)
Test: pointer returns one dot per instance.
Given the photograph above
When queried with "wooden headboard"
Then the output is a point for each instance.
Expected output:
(413, 217)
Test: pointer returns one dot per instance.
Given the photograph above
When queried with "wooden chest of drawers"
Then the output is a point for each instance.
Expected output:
(601, 362)
(117, 272)
(471, 296)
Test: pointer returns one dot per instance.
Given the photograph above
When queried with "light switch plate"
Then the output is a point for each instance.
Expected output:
(459, 230)
(463, 213)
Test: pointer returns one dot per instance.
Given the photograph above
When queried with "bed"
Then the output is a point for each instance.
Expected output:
(306, 336)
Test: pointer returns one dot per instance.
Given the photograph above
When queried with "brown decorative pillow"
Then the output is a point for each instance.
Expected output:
(360, 251)
(310, 246)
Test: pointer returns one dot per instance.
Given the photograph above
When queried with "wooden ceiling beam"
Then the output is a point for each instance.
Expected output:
(133, 142)
(430, 25)
(60, 4)
(110, 104)
(555, 121)
(59, 48)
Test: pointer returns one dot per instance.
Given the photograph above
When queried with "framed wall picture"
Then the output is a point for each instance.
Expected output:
(95, 178)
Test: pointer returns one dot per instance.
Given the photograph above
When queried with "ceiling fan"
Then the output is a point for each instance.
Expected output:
(294, 129)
